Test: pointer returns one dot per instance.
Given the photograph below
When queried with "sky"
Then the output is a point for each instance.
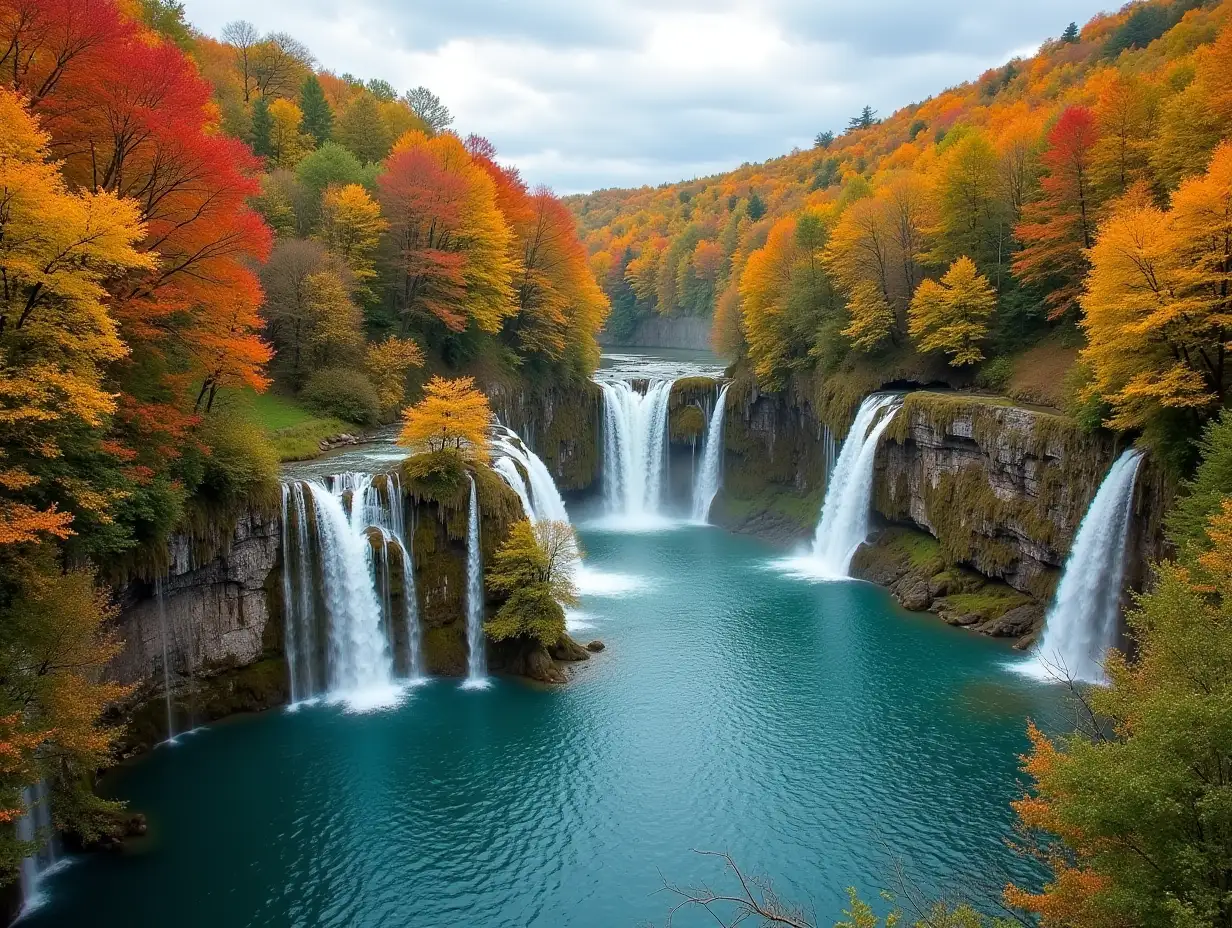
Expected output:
(584, 94)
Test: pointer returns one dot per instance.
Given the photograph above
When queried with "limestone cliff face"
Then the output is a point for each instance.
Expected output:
(217, 616)
(562, 424)
(217, 613)
(1002, 488)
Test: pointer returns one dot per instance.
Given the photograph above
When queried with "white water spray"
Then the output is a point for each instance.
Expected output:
(843, 526)
(634, 448)
(35, 825)
(1082, 622)
(476, 664)
(710, 477)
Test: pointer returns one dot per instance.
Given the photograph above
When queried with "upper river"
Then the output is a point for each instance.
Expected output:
(822, 735)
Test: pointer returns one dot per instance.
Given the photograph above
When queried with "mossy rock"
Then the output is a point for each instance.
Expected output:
(445, 651)
(686, 425)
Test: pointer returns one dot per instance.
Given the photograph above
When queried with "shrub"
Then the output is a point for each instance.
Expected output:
(240, 465)
(347, 394)
(996, 374)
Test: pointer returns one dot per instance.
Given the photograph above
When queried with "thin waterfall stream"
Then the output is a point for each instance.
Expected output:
(476, 664)
(1081, 624)
(709, 478)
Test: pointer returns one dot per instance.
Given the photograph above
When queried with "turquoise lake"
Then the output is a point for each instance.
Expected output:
(816, 731)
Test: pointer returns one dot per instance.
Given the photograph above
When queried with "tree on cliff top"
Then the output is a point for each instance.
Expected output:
(535, 567)
(452, 414)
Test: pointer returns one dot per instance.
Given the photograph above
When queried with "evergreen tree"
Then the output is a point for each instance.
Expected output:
(361, 129)
(1070, 34)
(262, 127)
(824, 139)
(866, 119)
(318, 119)
(757, 208)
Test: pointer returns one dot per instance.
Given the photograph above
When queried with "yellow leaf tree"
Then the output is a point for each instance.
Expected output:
(387, 364)
(872, 319)
(453, 414)
(56, 251)
(351, 227)
(287, 142)
(951, 316)
(1158, 300)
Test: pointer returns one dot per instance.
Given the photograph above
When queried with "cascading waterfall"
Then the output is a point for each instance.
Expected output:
(341, 542)
(1081, 624)
(476, 665)
(710, 477)
(634, 446)
(843, 526)
(35, 825)
(161, 601)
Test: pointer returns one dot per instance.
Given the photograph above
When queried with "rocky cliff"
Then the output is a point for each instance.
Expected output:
(562, 424)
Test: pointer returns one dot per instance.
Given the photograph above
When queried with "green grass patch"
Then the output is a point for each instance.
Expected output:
(989, 602)
(295, 430)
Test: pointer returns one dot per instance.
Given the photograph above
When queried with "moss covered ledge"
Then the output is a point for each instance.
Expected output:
(912, 566)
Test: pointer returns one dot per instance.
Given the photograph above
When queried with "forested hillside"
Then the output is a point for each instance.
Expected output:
(1057, 229)
(184, 224)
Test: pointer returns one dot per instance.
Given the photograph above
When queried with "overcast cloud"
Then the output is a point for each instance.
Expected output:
(582, 94)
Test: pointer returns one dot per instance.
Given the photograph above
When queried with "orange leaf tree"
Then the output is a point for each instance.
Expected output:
(453, 414)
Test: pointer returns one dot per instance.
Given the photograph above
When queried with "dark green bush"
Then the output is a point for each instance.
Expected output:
(347, 394)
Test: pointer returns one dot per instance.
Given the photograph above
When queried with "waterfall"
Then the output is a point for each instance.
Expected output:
(844, 514)
(342, 541)
(35, 826)
(706, 487)
(162, 628)
(634, 447)
(476, 665)
(1081, 624)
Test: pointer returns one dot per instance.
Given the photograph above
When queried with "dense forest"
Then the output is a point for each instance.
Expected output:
(186, 223)
(1057, 229)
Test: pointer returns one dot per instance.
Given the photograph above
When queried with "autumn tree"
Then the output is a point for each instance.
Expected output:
(1131, 817)
(1127, 116)
(361, 129)
(309, 315)
(786, 295)
(279, 64)
(287, 144)
(450, 243)
(1058, 226)
(387, 364)
(972, 217)
(243, 37)
(453, 414)
(951, 316)
(535, 569)
(1157, 301)
(351, 228)
(58, 250)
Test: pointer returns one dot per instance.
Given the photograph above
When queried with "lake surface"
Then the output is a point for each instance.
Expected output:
(815, 730)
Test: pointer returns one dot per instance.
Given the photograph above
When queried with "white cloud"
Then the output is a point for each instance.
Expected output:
(625, 92)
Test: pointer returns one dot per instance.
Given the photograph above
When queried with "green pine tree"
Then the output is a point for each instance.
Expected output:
(318, 120)
(1070, 34)
(262, 125)
(361, 130)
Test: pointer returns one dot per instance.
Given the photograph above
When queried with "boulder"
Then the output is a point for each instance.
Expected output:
(595, 646)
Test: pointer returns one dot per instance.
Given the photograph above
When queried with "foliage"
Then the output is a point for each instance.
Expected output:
(351, 227)
(1135, 826)
(54, 640)
(952, 316)
(1204, 493)
(240, 466)
(361, 129)
(534, 568)
(344, 393)
(451, 242)
(1157, 301)
(387, 364)
(428, 107)
(452, 414)
(318, 118)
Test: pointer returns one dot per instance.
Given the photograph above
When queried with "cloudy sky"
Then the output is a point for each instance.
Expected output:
(582, 94)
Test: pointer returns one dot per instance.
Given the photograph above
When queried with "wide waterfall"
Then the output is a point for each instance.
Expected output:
(1082, 623)
(347, 638)
(476, 663)
(35, 826)
(634, 448)
(709, 478)
(843, 526)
